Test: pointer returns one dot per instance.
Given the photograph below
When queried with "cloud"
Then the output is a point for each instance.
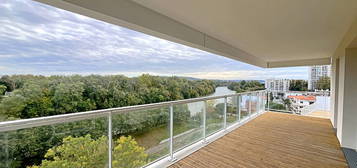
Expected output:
(250, 74)
(40, 39)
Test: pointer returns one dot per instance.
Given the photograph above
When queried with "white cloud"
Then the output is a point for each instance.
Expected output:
(248, 74)
(63, 42)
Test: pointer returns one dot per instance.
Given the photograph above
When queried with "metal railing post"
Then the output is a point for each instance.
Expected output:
(6, 140)
(268, 100)
(239, 108)
(110, 140)
(263, 102)
(250, 105)
(258, 106)
(204, 121)
(172, 133)
(225, 113)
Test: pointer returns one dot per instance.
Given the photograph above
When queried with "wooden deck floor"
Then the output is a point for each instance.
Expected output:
(273, 140)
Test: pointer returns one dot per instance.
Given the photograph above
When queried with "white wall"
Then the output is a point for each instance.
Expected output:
(347, 99)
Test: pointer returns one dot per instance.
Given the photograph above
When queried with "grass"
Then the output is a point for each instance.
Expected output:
(155, 135)
(152, 138)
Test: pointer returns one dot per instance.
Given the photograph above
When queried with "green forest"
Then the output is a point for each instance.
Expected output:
(244, 86)
(29, 96)
(36, 96)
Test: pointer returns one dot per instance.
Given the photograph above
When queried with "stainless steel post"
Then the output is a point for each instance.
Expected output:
(204, 121)
(110, 139)
(172, 133)
(225, 113)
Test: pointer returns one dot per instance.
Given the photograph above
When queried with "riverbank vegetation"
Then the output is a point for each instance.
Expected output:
(36, 96)
(245, 86)
(29, 96)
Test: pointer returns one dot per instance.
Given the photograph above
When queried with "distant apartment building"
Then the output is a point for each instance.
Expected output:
(315, 73)
(279, 85)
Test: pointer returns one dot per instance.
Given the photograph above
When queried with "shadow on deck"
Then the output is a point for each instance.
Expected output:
(273, 140)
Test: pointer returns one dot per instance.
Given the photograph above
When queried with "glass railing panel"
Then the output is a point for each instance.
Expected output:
(254, 100)
(300, 102)
(232, 110)
(74, 144)
(214, 115)
(263, 100)
(188, 124)
(144, 135)
(244, 106)
(279, 102)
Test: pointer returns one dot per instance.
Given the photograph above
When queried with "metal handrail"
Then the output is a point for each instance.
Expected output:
(64, 118)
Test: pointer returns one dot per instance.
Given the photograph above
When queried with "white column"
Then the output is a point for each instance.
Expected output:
(347, 92)
(334, 91)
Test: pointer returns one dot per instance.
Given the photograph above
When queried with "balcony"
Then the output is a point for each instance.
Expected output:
(219, 131)
(273, 140)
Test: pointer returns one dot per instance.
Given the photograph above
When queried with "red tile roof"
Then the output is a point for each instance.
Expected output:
(308, 98)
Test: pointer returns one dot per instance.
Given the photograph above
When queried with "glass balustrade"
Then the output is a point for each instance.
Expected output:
(301, 103)
(232, 110)
(122, 137)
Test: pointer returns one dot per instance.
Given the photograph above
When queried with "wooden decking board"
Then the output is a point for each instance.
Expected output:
(272, 140)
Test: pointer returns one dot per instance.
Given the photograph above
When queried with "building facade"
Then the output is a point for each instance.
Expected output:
(315, 73)
(279, 85)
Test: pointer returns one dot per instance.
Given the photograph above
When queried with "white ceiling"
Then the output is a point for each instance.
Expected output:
(274, 30)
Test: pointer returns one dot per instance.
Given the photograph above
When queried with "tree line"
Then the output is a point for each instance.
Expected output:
(55, 145)
(244, 86)
(36, 96)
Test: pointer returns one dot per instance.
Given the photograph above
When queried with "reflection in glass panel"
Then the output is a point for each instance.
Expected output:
(188, 124)
(71, 143)
(254, 103)
(278, 101)
(263, 101)
(214, 115)
(144, 135)
(232, 110)
(244, 106)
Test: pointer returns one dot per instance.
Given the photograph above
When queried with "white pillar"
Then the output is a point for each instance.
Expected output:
(334, 91)
(347, 100)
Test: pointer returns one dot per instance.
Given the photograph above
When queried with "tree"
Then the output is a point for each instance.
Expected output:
(287, 103)
(298, 85)
(87, 152)
(244, 86)
(35, 96)
(8, 82)
(323, 83)
(2, 89)
(12, 107)
(128, 154)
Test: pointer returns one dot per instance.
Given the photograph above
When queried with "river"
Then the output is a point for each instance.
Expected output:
(223, 90)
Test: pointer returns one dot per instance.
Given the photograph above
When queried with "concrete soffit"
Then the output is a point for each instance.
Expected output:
(307, 62)
(131, 15)
(348, 41)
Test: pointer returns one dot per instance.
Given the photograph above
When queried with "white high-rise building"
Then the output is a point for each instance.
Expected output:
(279, 85)
(315, 73)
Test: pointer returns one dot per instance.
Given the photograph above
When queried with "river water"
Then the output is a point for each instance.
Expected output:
(223, 90)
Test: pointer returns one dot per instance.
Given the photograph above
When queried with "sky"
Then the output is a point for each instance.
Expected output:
(44, 40)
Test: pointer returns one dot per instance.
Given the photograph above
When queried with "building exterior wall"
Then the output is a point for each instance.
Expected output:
(315, 73)
(347, 115)
(280, 85)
